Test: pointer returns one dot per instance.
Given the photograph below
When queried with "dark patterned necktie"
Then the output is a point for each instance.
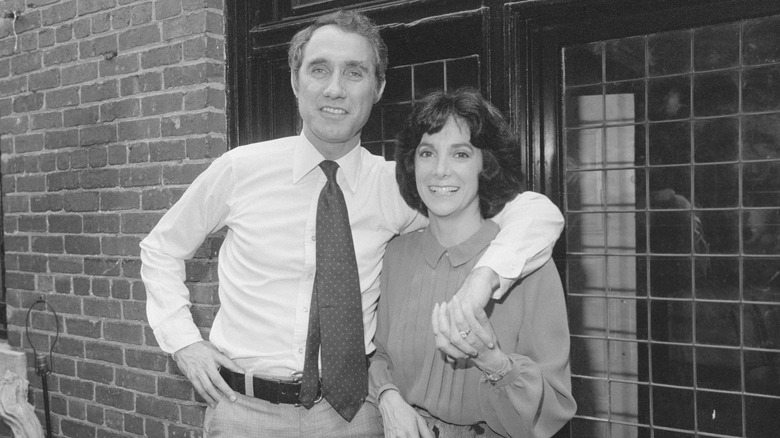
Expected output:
(336, 318)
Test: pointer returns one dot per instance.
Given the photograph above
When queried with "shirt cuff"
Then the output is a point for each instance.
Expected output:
(176, 335)
(504, 263)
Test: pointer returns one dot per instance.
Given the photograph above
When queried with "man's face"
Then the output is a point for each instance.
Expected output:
(336, 88)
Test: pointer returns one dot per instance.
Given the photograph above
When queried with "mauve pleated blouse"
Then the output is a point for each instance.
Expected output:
(533, 400)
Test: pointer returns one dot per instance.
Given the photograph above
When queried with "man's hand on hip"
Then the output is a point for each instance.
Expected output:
(200, 363)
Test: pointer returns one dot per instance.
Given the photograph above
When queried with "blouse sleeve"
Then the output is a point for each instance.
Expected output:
(534, 399)
(379, 371)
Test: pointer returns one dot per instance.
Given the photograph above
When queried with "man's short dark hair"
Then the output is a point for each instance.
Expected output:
(348, 21)
(501, 177)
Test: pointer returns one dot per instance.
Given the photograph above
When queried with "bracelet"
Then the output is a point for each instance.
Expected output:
(495, 377)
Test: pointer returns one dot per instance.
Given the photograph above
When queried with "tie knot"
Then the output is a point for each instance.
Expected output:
(330, 168)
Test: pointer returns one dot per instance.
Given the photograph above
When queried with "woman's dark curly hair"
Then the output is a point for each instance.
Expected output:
(501, 178)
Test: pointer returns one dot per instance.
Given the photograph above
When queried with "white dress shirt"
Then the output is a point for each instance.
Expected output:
(266, 194)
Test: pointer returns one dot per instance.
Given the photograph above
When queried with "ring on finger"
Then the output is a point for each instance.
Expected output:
(464, 333)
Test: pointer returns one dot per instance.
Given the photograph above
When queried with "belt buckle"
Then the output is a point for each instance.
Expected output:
(297, 378)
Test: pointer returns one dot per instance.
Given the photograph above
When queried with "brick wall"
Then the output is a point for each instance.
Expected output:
(108, 109)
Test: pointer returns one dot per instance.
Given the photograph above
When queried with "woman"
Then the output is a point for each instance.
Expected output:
(457, 162)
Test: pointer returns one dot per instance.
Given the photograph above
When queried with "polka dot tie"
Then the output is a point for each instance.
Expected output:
(336, 318)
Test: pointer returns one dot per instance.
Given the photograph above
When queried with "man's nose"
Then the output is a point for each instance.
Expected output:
(335, 86)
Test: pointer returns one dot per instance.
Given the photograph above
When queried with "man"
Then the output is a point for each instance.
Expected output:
(266, 194)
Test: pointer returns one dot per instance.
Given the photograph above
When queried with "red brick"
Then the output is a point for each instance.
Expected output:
(77, 388)
(62, 97)
(80, 116)
(25, 63)
(66, 265)
(131, 268)
(120, 65)
(13, 86)
(134, 424)
(162, 104)
(117, 154)
(90, 6)
(28, 102)
(184, 173)
(90, 328)
(64, 33)
(101, 223)
(46, 37)
(82, 286)
(79, 73)
(114, 419)
(95, 372)
(58, 13)
(103, 351)
(46, 244)
(79, 159)
(31, 183)
(98, 156)
(176, 388)
(144, 83)
(142, 14)
(142, 382)
(165, 55)
(32, 263)
(100, 46)
(32, 223)
(100, 178)
(120, 289)
(100, 91)
(185, 25)
(116, 397)
(61, 139)
(188, 75)
(14, 124)
(14, 243)
(119, 200)
(139, 129)
(138, 153)
(147, 360)
(61, 54)
(99, 285)
(140, 176)
(62, 181)
(123, 332)
(81, 201)
(192, 414)
(28, 143)
(63, 365)
(44, 80)
(154, 429)
(18, 280)
(100, 134)
(136, 223)
(169, 150)
(76, 429)
(121, 245)
(101, 23)
(103, 266)
(120, 109)
(159, 198)
(155, 407)
(95, 415)
(139, 36)
(77, 244)
(46, 120)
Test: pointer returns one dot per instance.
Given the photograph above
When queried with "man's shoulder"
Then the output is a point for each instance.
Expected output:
(263, 148)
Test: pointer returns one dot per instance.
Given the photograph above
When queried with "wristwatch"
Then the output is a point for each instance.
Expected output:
(495, 377)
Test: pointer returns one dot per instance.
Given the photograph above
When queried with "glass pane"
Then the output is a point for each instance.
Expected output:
(588, 357)
(623, 233)
(670, 277)
(590, 315)
(394, 118)
(463, 72)
(672, 364)
(761, 137)
(718, 232)
(716, 47)
(584, 148)
(398, 87)
(670, 143)
(625, 59)
(628, 104)
(582, 191)
(624, 406)
(716, 186)
(670, 233)
(669, 53)
(717, 278)
(761, 184)
(761, 37)
(717, 323)
(762, 369)
(715, 94)
(719, 413)
(670, 188)
(584, 427)
(760, 231)
(625, 145)
(673, 408)
(671, 321)
(716, 140)
(761, 325)
(428, 78)
(586, 275)
(761, 419)
(582, 64)
(624, 277)
(761, 279)
(718, 368)
(584, 106)
(585, 232)
(623, 324)
(669, 98)
(621, 187)
(761, 89)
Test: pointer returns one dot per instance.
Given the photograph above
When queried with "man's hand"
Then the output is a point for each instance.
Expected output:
(400, 419)
(200, 363)
(472, 297)
(456, 338)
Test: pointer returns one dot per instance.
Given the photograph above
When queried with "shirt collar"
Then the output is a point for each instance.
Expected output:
(461, 253)
(307, 158)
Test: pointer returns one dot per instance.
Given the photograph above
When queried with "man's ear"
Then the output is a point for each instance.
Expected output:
(379, 92)
(294, 82)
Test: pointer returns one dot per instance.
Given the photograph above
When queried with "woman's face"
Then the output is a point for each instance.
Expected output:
(446, 168)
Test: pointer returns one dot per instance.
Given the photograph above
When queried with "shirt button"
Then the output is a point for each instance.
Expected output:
(305, 309)
(300, 350)
(313, 238)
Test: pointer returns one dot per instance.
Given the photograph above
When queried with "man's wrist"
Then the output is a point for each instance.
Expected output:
(488, 275)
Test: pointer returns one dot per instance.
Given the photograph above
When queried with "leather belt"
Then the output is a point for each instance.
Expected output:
(274, 391)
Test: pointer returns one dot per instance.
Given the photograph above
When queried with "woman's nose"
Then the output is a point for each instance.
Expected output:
(442, 166)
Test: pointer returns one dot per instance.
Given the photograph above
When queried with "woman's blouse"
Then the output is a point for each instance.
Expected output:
(533, 400)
